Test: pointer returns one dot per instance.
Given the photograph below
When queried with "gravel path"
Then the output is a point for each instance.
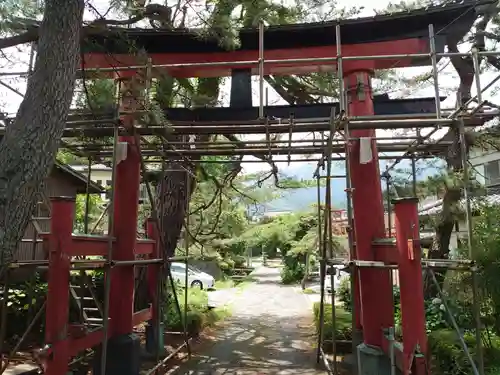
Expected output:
(269, 333)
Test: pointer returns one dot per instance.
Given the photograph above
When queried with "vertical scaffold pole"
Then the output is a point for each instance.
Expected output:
(340, 73)
(435, 74)
(321, 274)
(153, 284)
(261, 69)
(354, 279)
(414, 175)
(468, 219)
(186, 247)
(386, 175)
(477, 74)
(328, 203)
(87, 197)
(109, 254)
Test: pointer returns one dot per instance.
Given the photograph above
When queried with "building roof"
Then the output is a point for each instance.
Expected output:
(434, 208)
(454, 17)
(383, 105)
(79, 179)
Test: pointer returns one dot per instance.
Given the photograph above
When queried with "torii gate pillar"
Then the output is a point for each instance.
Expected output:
(373, 289)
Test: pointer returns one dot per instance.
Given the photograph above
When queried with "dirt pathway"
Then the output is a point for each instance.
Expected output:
(269, 333)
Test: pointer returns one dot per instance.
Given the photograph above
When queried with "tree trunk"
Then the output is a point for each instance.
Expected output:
(446, 221)
(172, 192)
(30, 144)
(173, 199)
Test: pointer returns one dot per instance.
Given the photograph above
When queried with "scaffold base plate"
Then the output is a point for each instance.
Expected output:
(372, 361)
(123, 356)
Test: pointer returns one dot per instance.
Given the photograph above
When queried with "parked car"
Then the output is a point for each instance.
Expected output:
(196, 277)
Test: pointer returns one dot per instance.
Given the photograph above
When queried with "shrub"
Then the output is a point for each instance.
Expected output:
(449, 358)
(239, 261)
(344, 293)
(292, 274)
(343, 322)
(197, 313)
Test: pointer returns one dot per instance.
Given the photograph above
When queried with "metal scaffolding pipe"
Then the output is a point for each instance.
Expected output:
(212, 64)
(259, 129)
(261, 69)
(271, 151)
(108, 116)
(277, 61)
(158, 160)
(435, 74)
(338, 147)
(476, 64)
(423, 119)
(284, 142)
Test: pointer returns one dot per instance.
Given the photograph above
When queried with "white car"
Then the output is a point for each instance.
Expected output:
(196, 277)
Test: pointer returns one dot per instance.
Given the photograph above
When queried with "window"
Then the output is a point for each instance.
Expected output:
(177, 269)
(492, 172)
(99, 182)
(108, 182)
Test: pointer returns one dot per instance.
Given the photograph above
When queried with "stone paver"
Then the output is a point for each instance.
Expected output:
(270, 333)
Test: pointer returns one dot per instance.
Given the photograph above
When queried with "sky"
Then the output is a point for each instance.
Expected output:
(9, 101)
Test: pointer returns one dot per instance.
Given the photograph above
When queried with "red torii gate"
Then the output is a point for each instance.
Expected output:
(373, 291)
(122, 246)
(374, 288)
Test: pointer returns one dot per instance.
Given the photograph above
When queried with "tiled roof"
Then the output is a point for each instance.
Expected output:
(435, 207)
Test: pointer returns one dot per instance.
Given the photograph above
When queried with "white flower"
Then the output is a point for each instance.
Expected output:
(436, 301)
(442, 308)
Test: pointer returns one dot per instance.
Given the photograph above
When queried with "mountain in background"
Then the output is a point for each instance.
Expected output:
(293, 200)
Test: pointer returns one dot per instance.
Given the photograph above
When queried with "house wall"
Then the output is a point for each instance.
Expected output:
(57, 184)
(478, 159)
(102, 175)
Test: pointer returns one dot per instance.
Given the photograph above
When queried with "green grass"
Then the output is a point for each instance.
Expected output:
(224, 284)
(230, 283)
(216, 315)
(244, 283)
(199, 316)
(308, 291)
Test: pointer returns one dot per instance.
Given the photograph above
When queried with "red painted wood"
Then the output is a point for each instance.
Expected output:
(93, 246)
(375, 285)
(98, 246)
(411, 285)
(142, 316)
(386, 253)
(56, 317)
(126, 196)
(407, 46)
(90, 340)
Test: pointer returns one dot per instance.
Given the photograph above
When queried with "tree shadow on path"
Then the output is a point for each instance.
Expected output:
(270, 333)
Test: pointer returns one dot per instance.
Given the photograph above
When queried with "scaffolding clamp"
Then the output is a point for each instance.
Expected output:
(349, 190)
